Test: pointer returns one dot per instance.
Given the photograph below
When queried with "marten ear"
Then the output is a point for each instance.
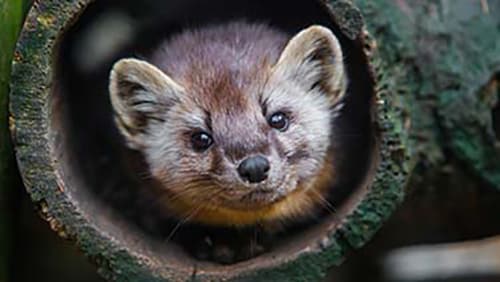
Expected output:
(313, 59)
(140, 95)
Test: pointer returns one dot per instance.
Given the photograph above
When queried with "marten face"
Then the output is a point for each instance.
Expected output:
(238, 138)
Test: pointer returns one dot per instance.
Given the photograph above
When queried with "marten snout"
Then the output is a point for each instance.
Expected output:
(254, 169)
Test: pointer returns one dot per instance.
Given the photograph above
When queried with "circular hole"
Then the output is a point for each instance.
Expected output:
(107, 180)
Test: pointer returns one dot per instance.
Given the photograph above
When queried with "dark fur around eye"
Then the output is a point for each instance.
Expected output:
(201, 141)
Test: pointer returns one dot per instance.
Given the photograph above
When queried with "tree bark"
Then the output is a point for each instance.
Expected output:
(436, 66)
(446, 56)
(448, 52)
(60, 189)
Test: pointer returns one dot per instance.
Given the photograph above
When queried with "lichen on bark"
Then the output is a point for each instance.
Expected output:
(448, 50)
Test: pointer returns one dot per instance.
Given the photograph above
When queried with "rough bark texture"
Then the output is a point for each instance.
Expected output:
(449, 54)
(32, 81)
(437, 65)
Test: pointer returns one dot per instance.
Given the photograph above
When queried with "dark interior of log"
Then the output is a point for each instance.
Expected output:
(95, 164)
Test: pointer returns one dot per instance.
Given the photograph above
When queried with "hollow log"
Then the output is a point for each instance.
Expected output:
(62, 133)
(439, 130)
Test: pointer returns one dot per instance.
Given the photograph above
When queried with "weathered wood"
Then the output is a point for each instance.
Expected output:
(445, 54)
(10, 22)
(412, 60)
(125, 254)
(449, 54)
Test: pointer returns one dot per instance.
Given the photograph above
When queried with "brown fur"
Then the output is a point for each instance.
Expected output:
(227, 80)
(301, 202)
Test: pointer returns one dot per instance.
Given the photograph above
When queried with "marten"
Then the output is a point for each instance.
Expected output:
(234, 121)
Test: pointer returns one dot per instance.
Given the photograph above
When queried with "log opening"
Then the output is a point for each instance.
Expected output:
(98, 200)
(93, 148)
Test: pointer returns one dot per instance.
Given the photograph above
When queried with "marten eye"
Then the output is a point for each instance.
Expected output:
(279, 121)
(201, 141)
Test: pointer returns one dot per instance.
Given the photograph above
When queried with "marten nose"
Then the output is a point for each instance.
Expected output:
(254, 169)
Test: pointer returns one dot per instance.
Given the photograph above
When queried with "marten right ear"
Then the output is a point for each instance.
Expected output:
(313, 60)
(140, 95)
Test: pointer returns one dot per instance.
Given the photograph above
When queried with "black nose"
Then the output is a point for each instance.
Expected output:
(254, 169)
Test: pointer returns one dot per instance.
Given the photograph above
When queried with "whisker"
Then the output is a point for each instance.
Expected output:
(326, 204)
(189, 216)
(254, 242)
(189, 189)
(181, 222)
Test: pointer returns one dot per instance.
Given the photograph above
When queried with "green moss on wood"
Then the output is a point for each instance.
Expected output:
(32, 79)
(467, 64)
(307, 267)
(387, 190)
(448, 52)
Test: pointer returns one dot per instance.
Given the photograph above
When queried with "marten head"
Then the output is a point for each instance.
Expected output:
(234, 121)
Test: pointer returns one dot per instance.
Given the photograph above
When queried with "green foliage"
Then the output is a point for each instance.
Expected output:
(11, 15)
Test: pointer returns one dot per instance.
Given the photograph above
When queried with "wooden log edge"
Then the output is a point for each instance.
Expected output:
(30, 128)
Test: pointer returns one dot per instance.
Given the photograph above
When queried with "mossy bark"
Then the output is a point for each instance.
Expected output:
(32, 80)
(445, 57)
(434, 62)
(448, 53)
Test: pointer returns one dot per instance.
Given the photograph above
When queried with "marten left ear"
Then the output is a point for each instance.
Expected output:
(140, 95)
(313, 59)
